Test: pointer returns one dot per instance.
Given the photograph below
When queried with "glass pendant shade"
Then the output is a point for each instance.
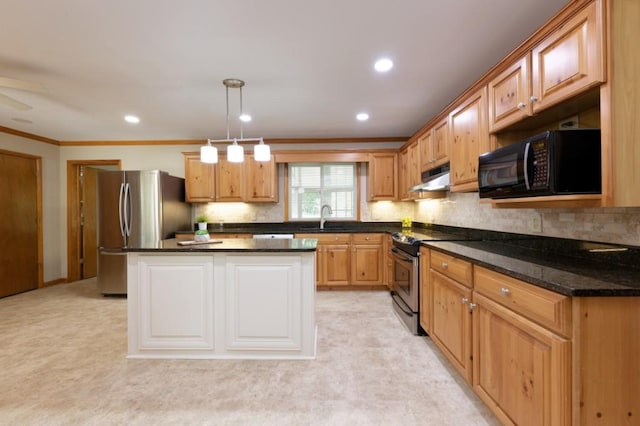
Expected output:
(235, 152)
(261, 152)
(209, 154)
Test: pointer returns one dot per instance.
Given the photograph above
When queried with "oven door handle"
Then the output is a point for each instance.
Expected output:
(402, 256)
(400, 303)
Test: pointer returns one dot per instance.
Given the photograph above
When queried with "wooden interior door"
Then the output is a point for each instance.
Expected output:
(20, 235)
(88, 223)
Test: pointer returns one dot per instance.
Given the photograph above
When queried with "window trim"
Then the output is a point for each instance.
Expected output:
(357, 198)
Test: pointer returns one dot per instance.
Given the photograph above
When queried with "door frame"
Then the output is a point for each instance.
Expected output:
(38, 160)
(73, 212)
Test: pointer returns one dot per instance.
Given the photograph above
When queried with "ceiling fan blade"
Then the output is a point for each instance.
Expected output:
(10, 102)
(28, 86)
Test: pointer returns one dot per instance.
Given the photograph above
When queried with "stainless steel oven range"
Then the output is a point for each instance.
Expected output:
(405, 279)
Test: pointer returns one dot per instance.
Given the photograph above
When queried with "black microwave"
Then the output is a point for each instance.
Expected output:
(556, 162)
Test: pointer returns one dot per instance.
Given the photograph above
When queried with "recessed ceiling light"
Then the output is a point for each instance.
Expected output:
(383, 65)
(245, 117)
(131, 119)
(363, 116)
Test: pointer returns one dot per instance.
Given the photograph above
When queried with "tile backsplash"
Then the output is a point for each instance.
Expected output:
(609, 225)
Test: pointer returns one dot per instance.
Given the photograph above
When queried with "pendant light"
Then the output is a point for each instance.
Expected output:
(235, 151)
(209, 153)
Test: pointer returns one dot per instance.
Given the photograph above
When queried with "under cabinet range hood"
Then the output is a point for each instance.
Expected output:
(436, 179)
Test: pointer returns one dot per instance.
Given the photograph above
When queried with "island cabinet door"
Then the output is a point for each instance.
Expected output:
(520, 370)
(171, 306)
(265, 302)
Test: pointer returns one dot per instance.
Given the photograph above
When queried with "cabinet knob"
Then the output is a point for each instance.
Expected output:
(366, 238)
(533, 99)
(472, 306)
(521, 105)
(445, 265)
(505, 291)
(464, 300)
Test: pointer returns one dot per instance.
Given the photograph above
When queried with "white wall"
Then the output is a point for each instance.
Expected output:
(53, 213)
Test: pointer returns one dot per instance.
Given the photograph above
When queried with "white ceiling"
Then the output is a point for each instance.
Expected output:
(307, 64)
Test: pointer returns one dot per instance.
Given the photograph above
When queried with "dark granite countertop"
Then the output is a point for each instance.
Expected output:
(299, 228)
(231, 245)
(568, 267)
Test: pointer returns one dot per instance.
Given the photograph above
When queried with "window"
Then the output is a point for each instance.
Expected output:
(313, 185)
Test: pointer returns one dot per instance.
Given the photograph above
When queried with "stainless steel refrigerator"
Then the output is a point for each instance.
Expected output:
(135, 208)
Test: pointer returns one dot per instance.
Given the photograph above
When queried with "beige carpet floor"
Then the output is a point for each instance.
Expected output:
(63, 362)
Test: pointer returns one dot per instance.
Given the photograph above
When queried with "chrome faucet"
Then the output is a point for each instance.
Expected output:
(322, 219)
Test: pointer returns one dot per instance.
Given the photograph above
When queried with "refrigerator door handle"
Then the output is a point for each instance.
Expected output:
(127, 209)
(120, 211)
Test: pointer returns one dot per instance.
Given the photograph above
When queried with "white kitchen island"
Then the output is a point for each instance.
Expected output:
(240, 298)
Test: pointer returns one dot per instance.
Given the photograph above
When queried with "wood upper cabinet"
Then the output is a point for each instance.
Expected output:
(262, 180)
(434, 146)
(563, 64)
(470, 138)
(382, 182)
(570, 59)
(230, 180)
(403, 175)
(510, 94)
(409, 165)
(441, 142)
(199, 179)
(425, 144)
(367, 255)
(249, 181)
(414, 165)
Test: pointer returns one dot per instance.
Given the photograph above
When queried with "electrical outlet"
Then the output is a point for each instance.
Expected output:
(535, 223)
(569, 123)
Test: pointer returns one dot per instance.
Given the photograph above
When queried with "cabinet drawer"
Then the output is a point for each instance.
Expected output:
(458, 269)
(328, 238)
(549, 309)
(367, 238)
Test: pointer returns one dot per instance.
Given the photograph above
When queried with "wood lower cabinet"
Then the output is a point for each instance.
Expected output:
(535, 357)
(336, 265)
(520, 369)
(426, 289)
(333, 259)
(349, 260)
(451, 325)
(367, 254)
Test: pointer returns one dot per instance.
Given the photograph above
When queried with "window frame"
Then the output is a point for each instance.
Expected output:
(357, 189)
